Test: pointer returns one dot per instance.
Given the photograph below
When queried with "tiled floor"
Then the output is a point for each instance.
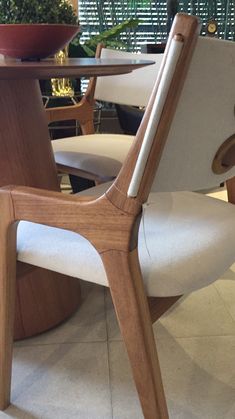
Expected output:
(80, 369)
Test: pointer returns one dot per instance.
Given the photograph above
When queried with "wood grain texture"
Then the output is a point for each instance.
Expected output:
(7, 294)
(230, 185)
(96, 220)
(26, 158)
(11, 69)
(113, 233)
(188, 27)
(159, 305)
(82, 112)
(75, 5)
(44, 300)
(127, 290)
(111, 224)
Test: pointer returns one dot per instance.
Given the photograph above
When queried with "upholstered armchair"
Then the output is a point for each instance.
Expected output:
(146, 236)
(98, 156)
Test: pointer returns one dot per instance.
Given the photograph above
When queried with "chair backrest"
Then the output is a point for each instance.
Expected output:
(189, 116)
(129, 89)
(203, 120)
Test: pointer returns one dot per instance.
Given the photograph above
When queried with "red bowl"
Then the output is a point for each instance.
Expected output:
(34, 41)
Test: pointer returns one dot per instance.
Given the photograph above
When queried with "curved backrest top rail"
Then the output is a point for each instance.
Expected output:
(73, 67)
(134, 89)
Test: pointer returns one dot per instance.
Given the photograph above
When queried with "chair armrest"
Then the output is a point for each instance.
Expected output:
(82, 112)
(104, 225)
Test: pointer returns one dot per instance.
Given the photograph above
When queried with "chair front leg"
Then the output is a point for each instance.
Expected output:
(130, 302)
(7, 295)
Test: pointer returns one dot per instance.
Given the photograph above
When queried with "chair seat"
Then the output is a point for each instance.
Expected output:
(186, 241)
(99, 154)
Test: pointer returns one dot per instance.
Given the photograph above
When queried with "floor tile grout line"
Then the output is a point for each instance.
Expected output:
(58, 343)
(110, 378)
(108, 352)
(186, 337)
(23, 343)
(199, 337)
(224, 304)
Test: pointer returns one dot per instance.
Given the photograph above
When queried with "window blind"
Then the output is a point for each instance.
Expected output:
(98, 15)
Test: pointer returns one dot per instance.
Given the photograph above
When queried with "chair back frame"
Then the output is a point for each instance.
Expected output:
(189, 30)
(110, 223)
(83, 111)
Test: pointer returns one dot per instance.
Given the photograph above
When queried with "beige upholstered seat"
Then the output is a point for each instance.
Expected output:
(186, 239)
(101, 155)
(172, 262)
(87, 154)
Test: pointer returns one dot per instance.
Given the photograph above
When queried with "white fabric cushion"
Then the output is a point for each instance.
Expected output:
(203, 120)
(99, 154)
(133, 88)
(186, 241)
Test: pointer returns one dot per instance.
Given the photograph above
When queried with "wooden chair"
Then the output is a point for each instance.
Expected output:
(161, 245)
(94, 156)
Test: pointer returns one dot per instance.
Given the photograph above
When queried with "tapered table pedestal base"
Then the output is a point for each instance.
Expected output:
(44, 300)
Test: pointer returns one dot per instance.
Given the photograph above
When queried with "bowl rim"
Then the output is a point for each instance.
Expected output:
(39, 24)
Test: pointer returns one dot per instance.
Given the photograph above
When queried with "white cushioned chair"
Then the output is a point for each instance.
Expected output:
(185, 241)
(99, 156)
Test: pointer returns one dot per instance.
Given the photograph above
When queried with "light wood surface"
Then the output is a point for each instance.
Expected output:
(75, 5)
(230, 184)
(118, 233)
(26, 158)
(159, 305)
(111, 224)
(11, 69)
(130, 302)
(83, 113)
(7, 296)
(189, 30)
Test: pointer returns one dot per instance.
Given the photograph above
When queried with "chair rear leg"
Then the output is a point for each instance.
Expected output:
(130, 302)
(7, 296)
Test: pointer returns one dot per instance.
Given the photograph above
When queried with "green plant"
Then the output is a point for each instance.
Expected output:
(109, 37)
(37, 11)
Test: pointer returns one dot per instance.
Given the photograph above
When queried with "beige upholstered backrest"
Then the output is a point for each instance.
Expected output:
(203, 120)
(133, 88)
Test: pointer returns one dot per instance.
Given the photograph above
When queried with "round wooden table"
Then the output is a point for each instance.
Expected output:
(44, 298)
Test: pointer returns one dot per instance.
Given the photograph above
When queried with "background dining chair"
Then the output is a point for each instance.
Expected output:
(185, 241)
(96, 156)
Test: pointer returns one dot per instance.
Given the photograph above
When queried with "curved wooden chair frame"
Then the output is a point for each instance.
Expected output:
(111, 224)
